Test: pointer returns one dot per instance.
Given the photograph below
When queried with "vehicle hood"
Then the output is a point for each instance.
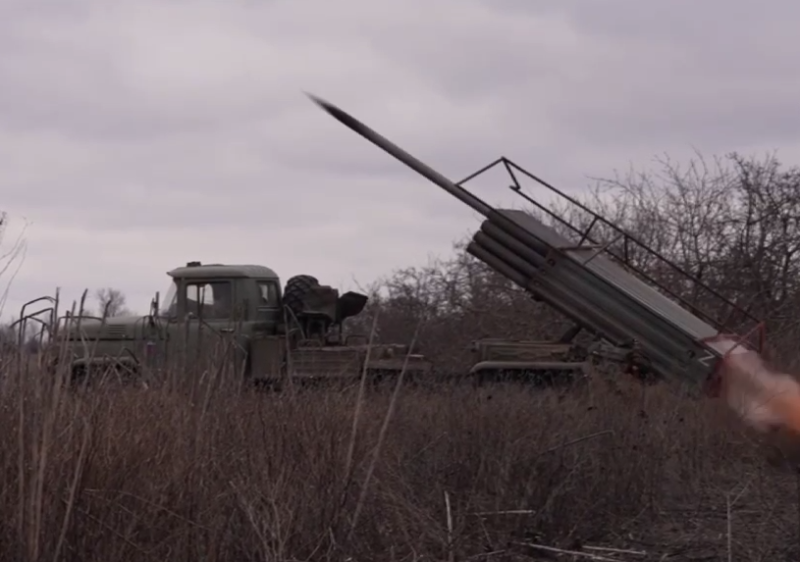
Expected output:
(115, 328)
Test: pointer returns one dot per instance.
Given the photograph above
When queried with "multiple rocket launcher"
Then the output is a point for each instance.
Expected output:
(582, 281)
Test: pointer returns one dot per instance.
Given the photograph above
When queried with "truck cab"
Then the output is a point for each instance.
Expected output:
(223, 294)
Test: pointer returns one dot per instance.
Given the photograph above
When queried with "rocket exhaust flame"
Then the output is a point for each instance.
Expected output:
(764, 399)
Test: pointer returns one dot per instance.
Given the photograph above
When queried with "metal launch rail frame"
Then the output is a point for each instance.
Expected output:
(593, 282)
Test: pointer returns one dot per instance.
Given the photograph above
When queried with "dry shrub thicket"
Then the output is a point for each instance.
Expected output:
(205, 471)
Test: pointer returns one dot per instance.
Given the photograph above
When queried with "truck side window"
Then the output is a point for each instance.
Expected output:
(210, 300)
(269, 293)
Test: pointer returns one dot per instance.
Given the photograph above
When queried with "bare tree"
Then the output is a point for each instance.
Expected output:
(111, 302)
(9, 256)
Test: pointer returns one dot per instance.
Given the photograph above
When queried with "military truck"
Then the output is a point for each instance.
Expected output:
(270, 334)
(273, 335)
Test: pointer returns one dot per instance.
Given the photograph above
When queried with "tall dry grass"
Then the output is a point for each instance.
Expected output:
(217, 474)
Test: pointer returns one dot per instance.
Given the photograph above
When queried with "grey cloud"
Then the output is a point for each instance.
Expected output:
(141, 135)
(717, 74)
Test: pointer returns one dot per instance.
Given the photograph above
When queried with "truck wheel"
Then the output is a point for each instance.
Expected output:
(297, 288)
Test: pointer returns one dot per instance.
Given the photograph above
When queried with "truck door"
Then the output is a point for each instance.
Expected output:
(209, 307)
(267, 344)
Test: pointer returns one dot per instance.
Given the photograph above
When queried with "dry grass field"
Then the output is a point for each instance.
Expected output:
(453, 473)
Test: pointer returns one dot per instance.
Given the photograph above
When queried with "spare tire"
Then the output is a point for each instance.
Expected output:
(297, 288)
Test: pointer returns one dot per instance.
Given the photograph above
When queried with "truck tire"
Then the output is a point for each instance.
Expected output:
(297, 288)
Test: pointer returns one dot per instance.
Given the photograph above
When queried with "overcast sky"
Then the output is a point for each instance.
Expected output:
(138, 135)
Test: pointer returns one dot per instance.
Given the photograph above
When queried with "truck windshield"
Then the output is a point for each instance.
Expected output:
(169, 301)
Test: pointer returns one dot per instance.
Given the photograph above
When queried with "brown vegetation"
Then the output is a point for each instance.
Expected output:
(203, 471)
(212, 474)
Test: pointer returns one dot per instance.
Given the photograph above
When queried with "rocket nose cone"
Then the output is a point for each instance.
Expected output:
(343, 117)
(317, 100)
